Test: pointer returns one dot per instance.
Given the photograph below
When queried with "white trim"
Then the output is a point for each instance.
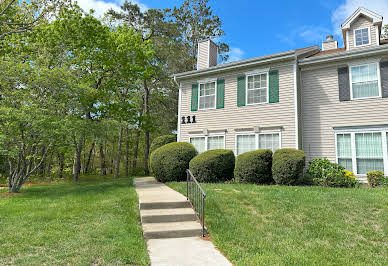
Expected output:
(347, 41)
(179, 113)
(246, 87)
(354, 155)
(207, 80)
(257, 71)
(208, 54)
(366, 12)
(385, 150)
(378, 79)
(369, 39)
(215, 95)
(296, 114)
(377, 35)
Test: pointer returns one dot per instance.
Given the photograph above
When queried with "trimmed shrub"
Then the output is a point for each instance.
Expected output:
(169, 162)
(328, 174)
(254, 167)
(287, 166)
(375, 178)
(161, 141)
(213, 166)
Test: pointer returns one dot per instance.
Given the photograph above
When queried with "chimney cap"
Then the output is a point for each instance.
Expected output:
(329, 38)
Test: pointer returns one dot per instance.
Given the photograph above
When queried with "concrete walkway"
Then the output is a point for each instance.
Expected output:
(171, 229)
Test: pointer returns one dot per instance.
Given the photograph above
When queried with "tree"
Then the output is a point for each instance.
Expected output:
(384, 32)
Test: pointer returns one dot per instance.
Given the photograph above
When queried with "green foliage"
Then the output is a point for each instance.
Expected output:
(325, 173)
(169, 162)
(254, 167)
(375, 178)
(213, 166)
(161, 141)
(287, 166)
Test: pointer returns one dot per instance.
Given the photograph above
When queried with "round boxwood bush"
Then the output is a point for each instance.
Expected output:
(213, 166)
(287, 166)
(254, 167)
(161, 141)
(169, 162)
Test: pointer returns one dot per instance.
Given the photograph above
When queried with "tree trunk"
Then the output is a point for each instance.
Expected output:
(61, 164)
(147, 132)
(127, 153)
(117, 170)
(77, 166)
(87, 165)
(102, 157)
(135, 152)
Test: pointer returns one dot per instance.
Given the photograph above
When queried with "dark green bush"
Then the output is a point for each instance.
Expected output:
(213, 166)
(161, 141)
(169, 162)
(254, 167)
(328, 174)
(375, 178)
(287, 166)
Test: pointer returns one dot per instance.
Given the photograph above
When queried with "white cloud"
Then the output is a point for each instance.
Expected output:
(309, 33)
(100, 7)
(342, 12)
(235, 54)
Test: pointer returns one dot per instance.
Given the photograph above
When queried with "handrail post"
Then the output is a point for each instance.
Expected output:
(203, 215)
(187, 185)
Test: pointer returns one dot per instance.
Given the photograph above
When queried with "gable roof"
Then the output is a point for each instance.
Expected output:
(376, 18)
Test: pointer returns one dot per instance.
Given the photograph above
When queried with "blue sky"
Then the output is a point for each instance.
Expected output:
(255, 28)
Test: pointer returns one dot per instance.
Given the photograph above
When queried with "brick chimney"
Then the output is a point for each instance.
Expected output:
(207, 54)
(329, 44)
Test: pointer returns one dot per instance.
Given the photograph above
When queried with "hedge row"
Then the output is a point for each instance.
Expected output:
(285, 166)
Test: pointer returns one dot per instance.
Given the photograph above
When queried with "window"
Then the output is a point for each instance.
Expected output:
(257, 88)
(217, 142)
(369, 152)
(207, 95)
(362, 152)
(361, 37)
(269, 141)
(206, 143)
(198, 143)
(344, 151)
(365, 81)
(245, 143)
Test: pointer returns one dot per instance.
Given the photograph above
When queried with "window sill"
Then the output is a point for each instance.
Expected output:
(366, 98)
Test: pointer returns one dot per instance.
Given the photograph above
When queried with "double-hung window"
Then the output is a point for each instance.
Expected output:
(206, 143)
(362, 152)
(257, 88)
(207, 95)
(250, 142)
(361, 37)
(365, 81)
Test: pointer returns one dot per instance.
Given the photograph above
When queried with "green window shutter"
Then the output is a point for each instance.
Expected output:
(241, 91)
(194, 97)
(274, 86)
(220, 93)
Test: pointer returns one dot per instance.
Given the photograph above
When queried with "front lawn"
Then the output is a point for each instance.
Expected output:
(283, 225)
(90, 223)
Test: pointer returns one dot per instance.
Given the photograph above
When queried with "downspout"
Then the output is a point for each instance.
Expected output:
(296, 101)
(179, 110)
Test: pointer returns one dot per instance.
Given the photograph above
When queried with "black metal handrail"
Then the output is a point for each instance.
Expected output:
(196, 196)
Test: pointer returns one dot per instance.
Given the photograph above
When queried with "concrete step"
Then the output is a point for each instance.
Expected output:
(172, 230)
(167, 215)
(164, 205)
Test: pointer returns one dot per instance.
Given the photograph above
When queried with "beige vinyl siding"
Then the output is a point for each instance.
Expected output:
(203, 55)
(213, 54)
(231, 116)
(322, 110)
(361, 23)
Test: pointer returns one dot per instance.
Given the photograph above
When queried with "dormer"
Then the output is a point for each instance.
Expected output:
(362, 29)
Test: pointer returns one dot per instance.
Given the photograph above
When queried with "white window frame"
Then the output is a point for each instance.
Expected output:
(378, 80)
(266, 72)
(215, 93)
(353, 147)
(369, 39)
(206, 139)
(257, 138)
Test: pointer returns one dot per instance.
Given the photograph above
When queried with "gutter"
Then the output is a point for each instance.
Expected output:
(341, 56)
(296, 111)
(178, 138)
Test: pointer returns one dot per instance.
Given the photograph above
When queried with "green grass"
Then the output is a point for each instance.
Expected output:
(89, 223)
(279, 225)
